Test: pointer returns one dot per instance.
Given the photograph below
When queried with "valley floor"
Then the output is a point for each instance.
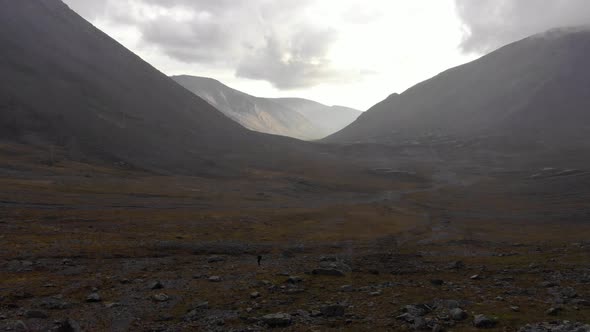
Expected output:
(109, 248)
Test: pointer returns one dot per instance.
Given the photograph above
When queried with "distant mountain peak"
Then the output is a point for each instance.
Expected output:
(294, 117)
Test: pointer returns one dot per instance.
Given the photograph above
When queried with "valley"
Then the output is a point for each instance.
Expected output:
(131, 200)
(170, 253)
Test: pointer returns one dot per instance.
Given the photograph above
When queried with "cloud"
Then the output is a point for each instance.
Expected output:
(88, 9)
(260, 39)
(490, 24)
(292, 63)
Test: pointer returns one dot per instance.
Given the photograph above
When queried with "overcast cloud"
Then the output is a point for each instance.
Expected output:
(490, 24)
(351, 52)
(261, 39)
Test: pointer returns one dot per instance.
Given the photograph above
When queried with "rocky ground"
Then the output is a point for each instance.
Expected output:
(504, 287)
(102, 248)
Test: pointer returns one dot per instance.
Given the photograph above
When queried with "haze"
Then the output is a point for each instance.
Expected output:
(255, 165)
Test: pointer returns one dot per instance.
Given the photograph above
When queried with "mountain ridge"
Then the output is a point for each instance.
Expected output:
(536, 84)
(295, 117)
(254, 113)
(67, 83)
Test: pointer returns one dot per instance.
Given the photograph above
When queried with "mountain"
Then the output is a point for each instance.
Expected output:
(259, 114)
(329, 119)
(294, 117)
(534, 90)
(65, 82)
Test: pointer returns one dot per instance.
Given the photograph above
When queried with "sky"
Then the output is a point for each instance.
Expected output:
(339, 52)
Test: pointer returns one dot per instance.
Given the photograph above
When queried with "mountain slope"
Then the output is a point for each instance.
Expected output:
(259, 114)
(329, 119)
(532, 90)
(65, 82)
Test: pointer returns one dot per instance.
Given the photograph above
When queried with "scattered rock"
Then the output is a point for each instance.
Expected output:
(165, 318)
(67, 325)
(437, 328)
(295, 290)
(448, 304)
(20, 326)
(420, 324)
(484, 322)
(254, 295)
(346, 288)
(567, 292)
(581, 302)
(554, 311)
(193, 315)
(215, 279)
(27, 263)
(94, 297)
(406, 317)
(418, 310)
(161, 297)
(201, 305)
(457, 314)
(515, 308)
(457, 265)
(156, 285)
(557, 326)
(333, 310)
(315, 313)
(36, 314)
(215, 259)
(277, 320)
(328, 258)
(328, 272)
(548, 284)
(21, 295)
(294, 279)
(332, 268)
(437, 282)
(54, 303)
